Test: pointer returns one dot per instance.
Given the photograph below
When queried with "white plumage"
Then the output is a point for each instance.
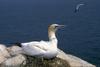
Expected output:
(46, 49)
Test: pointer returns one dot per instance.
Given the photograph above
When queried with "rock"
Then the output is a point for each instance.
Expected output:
(14, 50)
(15, 57)
(2, 58)
(15, 61)
(3, 51)
(21, 61)
(73, 61)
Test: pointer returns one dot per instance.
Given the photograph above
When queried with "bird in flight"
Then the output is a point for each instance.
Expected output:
(78, 6)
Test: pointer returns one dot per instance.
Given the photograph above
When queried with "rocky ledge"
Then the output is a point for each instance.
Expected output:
(13, 57)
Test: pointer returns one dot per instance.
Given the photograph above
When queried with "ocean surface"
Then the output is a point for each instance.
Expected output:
(28, 20)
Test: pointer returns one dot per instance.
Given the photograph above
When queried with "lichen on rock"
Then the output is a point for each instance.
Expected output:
(41, 62)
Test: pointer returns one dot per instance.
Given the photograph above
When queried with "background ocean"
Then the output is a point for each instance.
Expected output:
(27, 20)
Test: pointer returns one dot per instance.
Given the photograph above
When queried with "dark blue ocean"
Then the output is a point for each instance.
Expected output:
(27, 20)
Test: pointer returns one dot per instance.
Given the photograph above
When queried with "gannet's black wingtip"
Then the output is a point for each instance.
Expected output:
(75, 11)
(17, 44)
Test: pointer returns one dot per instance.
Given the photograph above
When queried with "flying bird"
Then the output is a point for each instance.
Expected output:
(46, 49)
(77, 7)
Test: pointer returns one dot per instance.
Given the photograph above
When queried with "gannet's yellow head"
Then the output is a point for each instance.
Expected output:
(55, 27)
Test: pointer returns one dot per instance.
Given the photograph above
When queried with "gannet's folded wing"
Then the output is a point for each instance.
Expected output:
(34, 49)
(43, 45)
(42, 48)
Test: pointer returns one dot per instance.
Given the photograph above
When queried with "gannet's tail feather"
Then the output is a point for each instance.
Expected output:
(17, 44)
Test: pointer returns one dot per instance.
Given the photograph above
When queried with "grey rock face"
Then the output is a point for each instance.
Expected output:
(14, 57)
(3, 51)
(14, 50)
(73, 61)
(15, 61)
(2, 59)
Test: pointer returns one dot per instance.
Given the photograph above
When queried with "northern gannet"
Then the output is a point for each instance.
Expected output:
(46, 49)
(78, 6)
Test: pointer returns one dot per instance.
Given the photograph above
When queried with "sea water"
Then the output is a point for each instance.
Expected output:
(28, 20)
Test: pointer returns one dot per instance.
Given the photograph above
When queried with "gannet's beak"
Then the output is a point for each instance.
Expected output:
(61, 26)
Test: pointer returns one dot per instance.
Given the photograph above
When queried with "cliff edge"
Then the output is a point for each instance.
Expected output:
(13, 57)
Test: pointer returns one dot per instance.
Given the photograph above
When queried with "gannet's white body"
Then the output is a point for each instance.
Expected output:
(46, 49)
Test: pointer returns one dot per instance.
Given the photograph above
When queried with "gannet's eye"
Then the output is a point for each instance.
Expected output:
(56, 26)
